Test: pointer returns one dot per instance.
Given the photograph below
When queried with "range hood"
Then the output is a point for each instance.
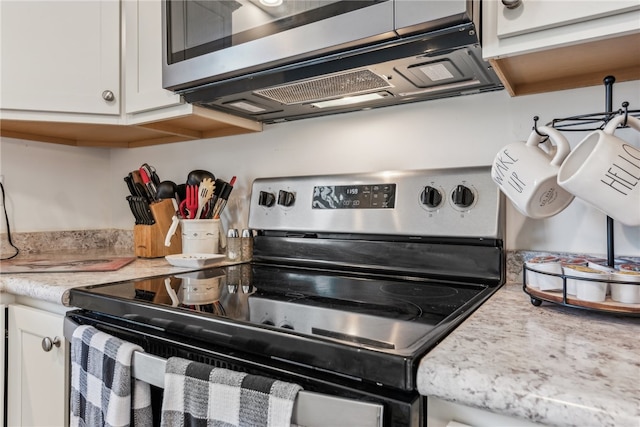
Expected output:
(430, 60)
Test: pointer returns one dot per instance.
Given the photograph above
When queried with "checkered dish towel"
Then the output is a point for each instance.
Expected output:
(199, 394)
(101, 392)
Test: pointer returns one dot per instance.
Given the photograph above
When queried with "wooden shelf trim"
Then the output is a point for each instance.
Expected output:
(570, 66)
(200, 124)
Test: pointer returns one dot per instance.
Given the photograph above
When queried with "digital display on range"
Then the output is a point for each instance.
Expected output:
(368, 196)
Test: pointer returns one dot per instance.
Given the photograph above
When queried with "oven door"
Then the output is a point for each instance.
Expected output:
(320, 404)
(209, 40)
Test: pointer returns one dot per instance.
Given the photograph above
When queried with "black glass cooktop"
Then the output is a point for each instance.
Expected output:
(296, 314)
(382, 313)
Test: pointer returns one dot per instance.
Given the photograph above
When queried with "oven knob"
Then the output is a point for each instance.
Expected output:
(286, 198)
(462, 196)
(266, 199)
(431, 197)
(268, 322)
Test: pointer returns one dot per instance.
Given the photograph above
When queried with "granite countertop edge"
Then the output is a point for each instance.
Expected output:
(54, 287)
(552, 365)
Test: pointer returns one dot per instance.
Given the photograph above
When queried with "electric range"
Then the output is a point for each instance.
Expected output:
(353, 279)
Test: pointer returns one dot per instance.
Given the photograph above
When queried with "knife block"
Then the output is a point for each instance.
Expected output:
(148, 240)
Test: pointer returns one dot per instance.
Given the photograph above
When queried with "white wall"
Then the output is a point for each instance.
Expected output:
(55, 187)
(464, 131)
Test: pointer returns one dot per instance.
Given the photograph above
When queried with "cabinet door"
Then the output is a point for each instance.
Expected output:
(441, 413)
(60, 56)
(143, 57)
(536, 15)
(37, 379)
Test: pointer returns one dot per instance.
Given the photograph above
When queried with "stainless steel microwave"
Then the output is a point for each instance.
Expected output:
(217, 53)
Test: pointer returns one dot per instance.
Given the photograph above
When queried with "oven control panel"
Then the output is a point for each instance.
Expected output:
(356, 196)
(460, 202)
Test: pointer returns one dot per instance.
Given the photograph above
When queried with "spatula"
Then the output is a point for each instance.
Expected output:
(205, 191)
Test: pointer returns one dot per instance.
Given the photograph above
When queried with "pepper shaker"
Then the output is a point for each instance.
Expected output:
(233, 245)
(246, 245)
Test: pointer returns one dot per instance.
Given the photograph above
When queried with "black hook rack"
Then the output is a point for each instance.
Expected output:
(535, 127)
(591, 122)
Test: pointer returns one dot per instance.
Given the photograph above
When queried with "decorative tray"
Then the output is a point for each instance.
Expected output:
(562, 295)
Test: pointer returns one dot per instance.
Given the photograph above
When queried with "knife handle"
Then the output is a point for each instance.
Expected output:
(129, 181)
(151, 187)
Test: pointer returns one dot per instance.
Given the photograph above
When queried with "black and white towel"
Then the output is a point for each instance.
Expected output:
(101, 383)
(196, 394)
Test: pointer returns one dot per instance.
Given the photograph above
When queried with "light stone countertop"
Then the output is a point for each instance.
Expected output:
(554, 365)
(54, 287)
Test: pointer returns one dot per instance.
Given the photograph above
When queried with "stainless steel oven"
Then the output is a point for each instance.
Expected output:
(354, 278)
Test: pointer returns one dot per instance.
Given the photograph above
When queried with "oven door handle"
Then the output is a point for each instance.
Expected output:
(310, 408)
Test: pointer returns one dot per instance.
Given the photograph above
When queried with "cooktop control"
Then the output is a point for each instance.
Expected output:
(440, 202)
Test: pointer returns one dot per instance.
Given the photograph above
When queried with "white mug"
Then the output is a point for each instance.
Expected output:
(527, 174)
(604, 171)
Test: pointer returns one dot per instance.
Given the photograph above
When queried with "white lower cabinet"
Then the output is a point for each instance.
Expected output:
(37, 379)
(441, 413)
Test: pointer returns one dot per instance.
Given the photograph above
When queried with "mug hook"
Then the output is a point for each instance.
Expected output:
(535, 129)
(625, 105)
(535, 125)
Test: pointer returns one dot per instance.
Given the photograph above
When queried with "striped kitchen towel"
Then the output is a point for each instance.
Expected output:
(196, 394)
(101, 383)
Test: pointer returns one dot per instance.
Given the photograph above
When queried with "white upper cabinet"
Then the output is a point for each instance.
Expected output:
(89, 73)
(60, 56)
(533, 16)
(545, 45)
(143, 57)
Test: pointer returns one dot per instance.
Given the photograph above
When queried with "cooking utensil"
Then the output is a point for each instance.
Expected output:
(140, 208)
(134, 210)
(138, 184)
(146, 211)
(152, 190)
(224, 197)
(205, 191)
(189, 205)
(181, 192)
(196, 176)
(175, 220)
(167, 190)
(151, 173)
(130, 185)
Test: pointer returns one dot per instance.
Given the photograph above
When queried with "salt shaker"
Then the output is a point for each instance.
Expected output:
(233, 245)
(247, 245)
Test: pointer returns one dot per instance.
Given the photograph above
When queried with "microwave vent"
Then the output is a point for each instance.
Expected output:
(327, 87)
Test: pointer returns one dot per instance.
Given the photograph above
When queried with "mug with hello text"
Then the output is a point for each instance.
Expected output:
(604, 171)
(527, 174)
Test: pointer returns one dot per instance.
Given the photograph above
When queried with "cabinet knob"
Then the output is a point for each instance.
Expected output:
(47, 343)
(107, 95)
(511, 4)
